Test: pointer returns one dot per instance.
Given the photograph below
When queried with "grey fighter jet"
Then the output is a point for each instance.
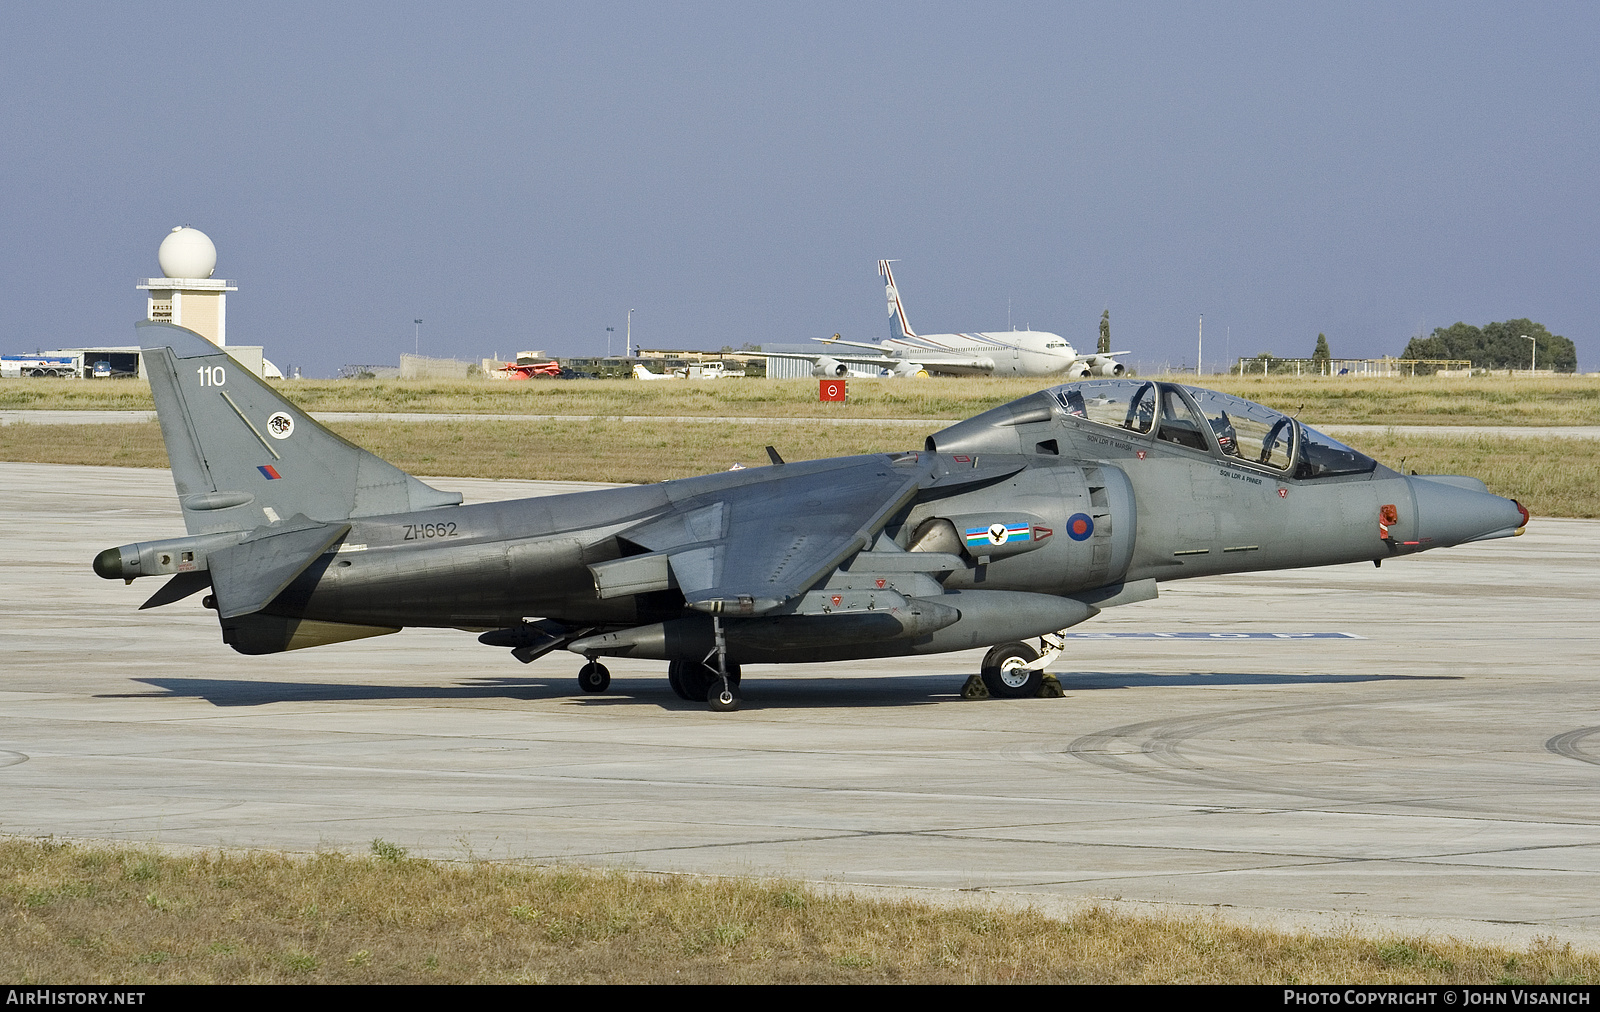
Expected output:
(1001, 531)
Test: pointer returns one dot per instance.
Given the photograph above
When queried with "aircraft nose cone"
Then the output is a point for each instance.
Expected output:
(1453, 510)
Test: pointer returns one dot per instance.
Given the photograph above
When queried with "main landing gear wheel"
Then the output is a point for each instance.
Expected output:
(1005, 671)
(675, 679)
(694, 681)
(593, 677)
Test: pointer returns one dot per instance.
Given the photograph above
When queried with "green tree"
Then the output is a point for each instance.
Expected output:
(1321, 358)
(1263, 362)
(1504, 342)
(1497, 346)
(1459, 340)
(1104, 347)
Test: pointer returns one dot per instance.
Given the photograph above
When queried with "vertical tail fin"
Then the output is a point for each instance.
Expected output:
(242, 456)
(899, 329)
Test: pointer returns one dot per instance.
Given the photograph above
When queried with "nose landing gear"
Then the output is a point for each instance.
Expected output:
(1017, 671)
(1006, 674)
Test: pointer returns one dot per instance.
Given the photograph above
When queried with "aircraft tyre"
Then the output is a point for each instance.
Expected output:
(693, 680)
(593, 677)
(723, 697)
(1005, 673)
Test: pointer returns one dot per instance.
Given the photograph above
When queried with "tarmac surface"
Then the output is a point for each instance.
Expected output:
(14, 417)
(1435, 770)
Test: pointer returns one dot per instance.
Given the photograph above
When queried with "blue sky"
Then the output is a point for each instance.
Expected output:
(521, 176)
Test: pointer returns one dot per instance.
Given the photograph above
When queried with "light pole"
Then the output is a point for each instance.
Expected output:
(1199, 354)
(416, 337)
(1534, 365)
(609, 332)
(627, 350)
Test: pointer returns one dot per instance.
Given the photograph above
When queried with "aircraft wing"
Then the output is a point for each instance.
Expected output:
(870, 361)
(839, 342)
(920, 351)
(750, 548)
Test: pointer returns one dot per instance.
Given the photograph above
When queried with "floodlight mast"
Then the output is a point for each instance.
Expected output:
(1533, 366)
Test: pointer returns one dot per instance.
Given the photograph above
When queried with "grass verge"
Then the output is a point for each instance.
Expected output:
(1573, 400)
(1555, 477)
(93, 914)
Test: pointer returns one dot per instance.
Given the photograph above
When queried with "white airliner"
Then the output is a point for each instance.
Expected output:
(906, 353)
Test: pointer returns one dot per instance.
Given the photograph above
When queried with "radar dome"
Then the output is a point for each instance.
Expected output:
(187, 253)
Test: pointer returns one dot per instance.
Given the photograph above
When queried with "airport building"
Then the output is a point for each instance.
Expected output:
(187, 295)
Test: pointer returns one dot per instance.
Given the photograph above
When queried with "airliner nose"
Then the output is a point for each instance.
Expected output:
(1453, 510)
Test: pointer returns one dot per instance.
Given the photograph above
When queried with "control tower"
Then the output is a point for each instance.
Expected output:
(189, 296)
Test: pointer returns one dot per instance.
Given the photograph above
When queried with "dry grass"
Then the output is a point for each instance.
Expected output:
(1551, 477)
(745, 398)
(1556, 477)
(88, 914)
(549, 450)
(1573, 400)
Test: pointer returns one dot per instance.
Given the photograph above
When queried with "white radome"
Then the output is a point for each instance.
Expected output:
(187, 253)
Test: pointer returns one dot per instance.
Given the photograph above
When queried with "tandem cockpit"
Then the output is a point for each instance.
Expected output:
(1232, 429)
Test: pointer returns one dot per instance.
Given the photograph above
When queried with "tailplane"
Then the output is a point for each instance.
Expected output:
(243, 457)
(899, 329)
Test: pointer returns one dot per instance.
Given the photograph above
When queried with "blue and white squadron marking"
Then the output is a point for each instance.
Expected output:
(999, 534)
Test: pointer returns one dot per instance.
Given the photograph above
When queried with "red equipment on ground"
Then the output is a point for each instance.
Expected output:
(529, 370)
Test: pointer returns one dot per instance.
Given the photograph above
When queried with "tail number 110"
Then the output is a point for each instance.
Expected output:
(212, 375)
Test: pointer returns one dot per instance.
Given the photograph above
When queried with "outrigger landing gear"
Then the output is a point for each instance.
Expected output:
(593, 677)
(723, 696)
(692, 680)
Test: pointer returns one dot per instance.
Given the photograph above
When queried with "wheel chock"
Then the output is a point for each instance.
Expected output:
(1051, 687)
(974, 688)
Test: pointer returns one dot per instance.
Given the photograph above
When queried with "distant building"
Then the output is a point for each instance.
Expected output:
(423, 367)
(189, 296)
(357, 370)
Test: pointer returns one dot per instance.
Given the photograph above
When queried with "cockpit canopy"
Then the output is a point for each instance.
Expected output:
(1231, 428)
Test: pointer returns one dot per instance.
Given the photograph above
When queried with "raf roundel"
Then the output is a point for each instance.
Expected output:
(280, 425)
(1080, 526)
